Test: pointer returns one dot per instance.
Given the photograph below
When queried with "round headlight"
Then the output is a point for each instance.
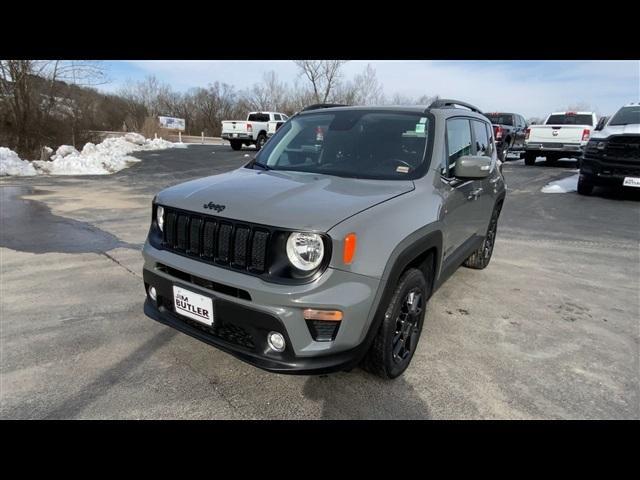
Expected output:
(160, 217)
(305, 250)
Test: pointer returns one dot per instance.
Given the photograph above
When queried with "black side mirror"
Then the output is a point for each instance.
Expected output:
(601, 123)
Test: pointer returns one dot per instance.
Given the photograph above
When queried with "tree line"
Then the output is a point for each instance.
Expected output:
(54, 102)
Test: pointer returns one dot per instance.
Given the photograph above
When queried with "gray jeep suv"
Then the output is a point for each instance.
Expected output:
(321, 252)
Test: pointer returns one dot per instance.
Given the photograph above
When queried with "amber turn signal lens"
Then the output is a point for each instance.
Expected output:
(349, 248)
(330, 315)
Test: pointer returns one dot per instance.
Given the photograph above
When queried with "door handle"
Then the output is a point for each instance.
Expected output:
(474, 194)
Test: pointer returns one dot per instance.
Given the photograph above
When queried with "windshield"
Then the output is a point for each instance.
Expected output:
(500, 119)
(570, 119)
(351, 143)
(626, 116)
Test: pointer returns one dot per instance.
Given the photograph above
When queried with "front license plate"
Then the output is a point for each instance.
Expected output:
(193, 305)
(631, 182)
(235, 134)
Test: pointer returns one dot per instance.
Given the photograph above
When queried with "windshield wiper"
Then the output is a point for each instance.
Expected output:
(261, 165)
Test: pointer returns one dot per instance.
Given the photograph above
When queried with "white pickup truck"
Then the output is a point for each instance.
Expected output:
(253, 131)
(563, 135)
(274, 126)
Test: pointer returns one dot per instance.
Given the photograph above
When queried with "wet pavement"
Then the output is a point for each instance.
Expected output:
(548, 330)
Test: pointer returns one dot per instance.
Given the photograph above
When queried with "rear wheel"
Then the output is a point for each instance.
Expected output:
(585, 187)
(530, 158)
(482, 256)
(260, 141)
(236, 144)
(397, 339)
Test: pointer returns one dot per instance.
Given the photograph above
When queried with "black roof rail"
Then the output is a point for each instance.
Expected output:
(448, 103)
(318, 106)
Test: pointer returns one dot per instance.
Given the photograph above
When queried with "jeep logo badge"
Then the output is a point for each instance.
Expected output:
(214, 206)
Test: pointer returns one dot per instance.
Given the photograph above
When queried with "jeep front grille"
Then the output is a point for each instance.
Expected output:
(223, 242)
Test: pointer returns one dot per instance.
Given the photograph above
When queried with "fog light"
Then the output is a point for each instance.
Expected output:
(276, 341)
(152, 293)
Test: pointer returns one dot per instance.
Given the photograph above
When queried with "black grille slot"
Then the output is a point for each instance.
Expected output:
(194, 236)
(224, 243)
(209, 239)
(240, 244)
(170, 229)
(259, 251)
(181, 232)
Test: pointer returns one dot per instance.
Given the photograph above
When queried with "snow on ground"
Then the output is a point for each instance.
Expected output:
(11, 164)
(105, 158)
(566, 185)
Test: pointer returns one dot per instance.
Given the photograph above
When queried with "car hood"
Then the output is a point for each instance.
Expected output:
(295, 200)
(630, 129)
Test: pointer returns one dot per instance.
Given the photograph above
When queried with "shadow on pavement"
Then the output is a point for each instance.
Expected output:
(359, 395)
(110, 377)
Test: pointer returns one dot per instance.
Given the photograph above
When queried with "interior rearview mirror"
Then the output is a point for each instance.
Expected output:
(473, 166)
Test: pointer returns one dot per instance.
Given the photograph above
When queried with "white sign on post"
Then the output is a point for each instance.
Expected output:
(172, 123)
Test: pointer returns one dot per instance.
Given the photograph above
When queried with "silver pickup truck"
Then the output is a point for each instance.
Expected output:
(252, 131)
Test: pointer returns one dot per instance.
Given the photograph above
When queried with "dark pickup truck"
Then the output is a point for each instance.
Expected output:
(508, 130)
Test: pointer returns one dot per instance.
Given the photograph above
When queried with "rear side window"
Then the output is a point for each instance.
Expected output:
(570, 119)
(458, 142)
(482, 139)
(276, 116)
(500, 118)
(258, 117)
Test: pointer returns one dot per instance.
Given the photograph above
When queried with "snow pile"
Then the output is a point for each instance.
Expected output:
(11, 164)
(107, 157)
(566, 185)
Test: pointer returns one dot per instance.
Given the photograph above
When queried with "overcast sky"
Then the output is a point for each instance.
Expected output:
(532, 88)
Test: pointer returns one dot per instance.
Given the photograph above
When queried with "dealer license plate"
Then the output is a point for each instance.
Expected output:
(193, 305)
(235, 134)
(631, 182)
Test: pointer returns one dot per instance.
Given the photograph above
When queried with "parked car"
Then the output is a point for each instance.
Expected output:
(509, 131)
(612, 156)
(563, 135)
(273, 127)
(253, 131)
(322, 252)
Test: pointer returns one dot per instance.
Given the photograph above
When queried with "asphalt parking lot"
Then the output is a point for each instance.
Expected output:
(550, 330)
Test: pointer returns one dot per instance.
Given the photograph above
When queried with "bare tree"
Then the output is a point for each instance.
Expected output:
(30, 91)
(324, 76)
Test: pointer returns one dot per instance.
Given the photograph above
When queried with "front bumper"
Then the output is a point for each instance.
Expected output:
(606, 174)
(244, 320)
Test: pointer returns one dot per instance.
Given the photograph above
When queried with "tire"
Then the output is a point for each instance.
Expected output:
(260, 141)
(530, 158)
(584, 186)
(235, 144)
(400, 327)
(505, 150)
(482, 256)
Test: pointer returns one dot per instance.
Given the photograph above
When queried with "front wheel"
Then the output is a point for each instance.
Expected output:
(584, 186)
(397, 339)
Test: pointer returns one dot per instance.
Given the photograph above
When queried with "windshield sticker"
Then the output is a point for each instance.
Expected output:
(423, 119)
(401, 169)
(420, 128)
